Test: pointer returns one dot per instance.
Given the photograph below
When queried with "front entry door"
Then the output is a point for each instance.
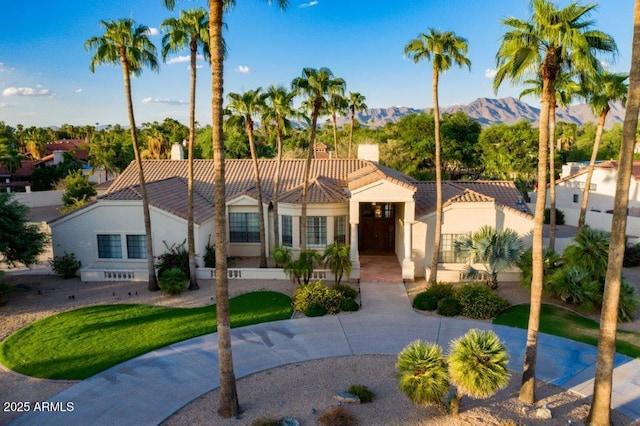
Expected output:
(377, 228)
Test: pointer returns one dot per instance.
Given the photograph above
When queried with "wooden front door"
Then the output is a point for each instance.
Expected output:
(376, 230)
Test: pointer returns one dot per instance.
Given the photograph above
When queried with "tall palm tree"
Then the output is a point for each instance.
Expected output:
(229, 406)
(443, 49)
(601, 90)
(279, 106)
(541, 46)
(600, 412)
(246, 105)
(190, 30)
(127, 44)
(337, 104)
(356, 103)
(316, 85)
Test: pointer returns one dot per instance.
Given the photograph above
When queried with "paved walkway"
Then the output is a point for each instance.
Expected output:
(148, 389)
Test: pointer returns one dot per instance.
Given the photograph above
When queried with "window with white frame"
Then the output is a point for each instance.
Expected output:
(109, 246)
(576, 198)
(244, 228)
(136, 246)
(340, 229)
(287, 231)
(316, 231)
(447, 252)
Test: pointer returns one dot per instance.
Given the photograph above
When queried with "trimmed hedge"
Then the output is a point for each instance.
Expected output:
(479, 302)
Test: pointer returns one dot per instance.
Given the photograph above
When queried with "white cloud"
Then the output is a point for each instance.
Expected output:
(310, 4)
(151, 100)
(606, 65)
(182, 58)
(3, 105)
(243, 69)
(2, 68)
(490, 72)
(78, 90)
(26, 91)
(153, 32)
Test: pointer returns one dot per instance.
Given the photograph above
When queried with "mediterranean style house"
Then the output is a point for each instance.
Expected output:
(375, 209)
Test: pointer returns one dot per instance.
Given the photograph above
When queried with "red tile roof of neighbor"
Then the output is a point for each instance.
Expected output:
(79, 146)
(330, 182)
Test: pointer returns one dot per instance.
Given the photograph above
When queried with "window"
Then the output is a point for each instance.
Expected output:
(136, 246)
(244, 227)
(287, 231)
(447, 252)
(317, 231)
(576, 198)
(340, 229)
(109, 246)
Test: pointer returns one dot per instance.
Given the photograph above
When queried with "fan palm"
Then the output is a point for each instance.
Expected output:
(443, 49)
(541, 46)
(496, 250)
(190, 30)
(315, 85)
(128, 44)
(477, 365)
(600, 91)
(422, 373)
(356, 103)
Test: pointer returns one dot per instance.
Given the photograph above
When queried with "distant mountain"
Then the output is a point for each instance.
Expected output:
(489, 111)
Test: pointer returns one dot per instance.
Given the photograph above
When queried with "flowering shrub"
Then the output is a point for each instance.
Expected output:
(176, 256)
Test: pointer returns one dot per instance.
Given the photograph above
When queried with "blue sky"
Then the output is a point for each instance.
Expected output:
(45, 78)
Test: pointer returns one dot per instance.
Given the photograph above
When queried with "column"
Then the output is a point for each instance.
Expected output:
(354, 219)
(408, 266)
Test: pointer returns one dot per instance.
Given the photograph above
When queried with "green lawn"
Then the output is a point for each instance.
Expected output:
(80, 343)
(564, 323)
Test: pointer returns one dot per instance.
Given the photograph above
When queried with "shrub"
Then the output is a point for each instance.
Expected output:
(176, 256)
(362, 392)
(346, 291)
(66, 265)
(172, 281)
(301, 269)
(337, 416)
(315, 310)
(349, 305)
(575, 284)
(209, 255)
(559, 216)
(338, 258)
(428, 299)
(5, 290)
(479, 302)
(281, 255)
(632, 255)
(629, 302)
(449, 307)
(316, 293)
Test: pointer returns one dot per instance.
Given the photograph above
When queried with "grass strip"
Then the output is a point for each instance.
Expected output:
(77, 344)
(562, 322)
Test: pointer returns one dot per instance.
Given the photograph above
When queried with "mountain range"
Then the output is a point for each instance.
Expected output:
(489, 111)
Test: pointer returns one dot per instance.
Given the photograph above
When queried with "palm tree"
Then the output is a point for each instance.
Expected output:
(443, 49)
(246, 105)
(279, 106)
(125, 43)
(600, 412)
(496, 250)
(337, 257)
(541, 46)
(422, 373)
(315, 85)
(603, 89)
(337, 104)
(478, 366)
(190, 30)
(356, 103)
(229, 406)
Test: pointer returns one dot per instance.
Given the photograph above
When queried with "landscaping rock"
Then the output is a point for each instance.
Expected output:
(347, 397)
(289, 421)
(542, 413)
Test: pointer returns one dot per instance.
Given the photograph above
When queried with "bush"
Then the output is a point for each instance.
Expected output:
(449, 307)
(362, 392)
(428, 299)
(479, 302)
(337, 416)
(316, 293)
(77, 190)
(209, 255)
(349, 305)
(176, 256)
(629, 302)
(632, 255)
(281, 255)
(66, 265)
(172, 281)
(559, 216)
(5, 290)
(315, 310)
(346, 291)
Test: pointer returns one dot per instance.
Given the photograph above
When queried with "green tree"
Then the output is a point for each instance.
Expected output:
(336, 104)
(337, 257)
(422, 373)
(495, 250)
(190, 30)
(443, 49)
(601, 90)
(356, 104)
(315, 85)
(509, 151)
(77, 190)
(126, 44)
(478, 366)
(542, 45)
(460, 150)
(20, 241)
(246, 106)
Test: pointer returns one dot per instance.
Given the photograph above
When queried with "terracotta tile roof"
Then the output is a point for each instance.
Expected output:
(321, 190)
(374, 172)
(79, 146)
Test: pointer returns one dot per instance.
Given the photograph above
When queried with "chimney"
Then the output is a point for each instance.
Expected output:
(177, 153)
(368, 152)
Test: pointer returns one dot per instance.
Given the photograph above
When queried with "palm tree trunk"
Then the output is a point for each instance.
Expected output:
(276, 185)
(307, 173)
(256, 176)
(454, 408)
(552, 176)
(527, 389)
(335, 133)
(438, 225)
(191, 246)
(601, 405)
(153, 283)
(229, 406)
(594, 154)
(353, 118)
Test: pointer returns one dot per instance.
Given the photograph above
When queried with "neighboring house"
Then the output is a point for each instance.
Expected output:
(569, 193)
(377, 210)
